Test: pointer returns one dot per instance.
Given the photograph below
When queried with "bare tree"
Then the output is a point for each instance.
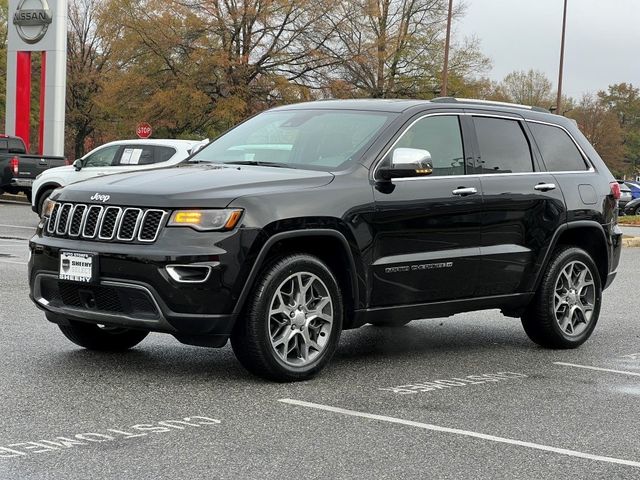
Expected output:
(88, 51)
(396, 47)
(528, 88)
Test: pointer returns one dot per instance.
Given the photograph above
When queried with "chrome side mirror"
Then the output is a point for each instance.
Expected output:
(408, 162)
(77, 164)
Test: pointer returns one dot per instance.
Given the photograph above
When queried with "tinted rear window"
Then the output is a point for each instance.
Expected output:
(164, 153)
(504, 148)
(559, 152)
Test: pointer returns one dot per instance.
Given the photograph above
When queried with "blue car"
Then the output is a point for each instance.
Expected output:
(635, 189)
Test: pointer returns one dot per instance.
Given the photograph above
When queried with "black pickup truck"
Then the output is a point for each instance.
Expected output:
(17, 169)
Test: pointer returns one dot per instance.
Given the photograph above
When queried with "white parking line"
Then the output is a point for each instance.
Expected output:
(17, 226)
(15, 246)
(588, 367)
(466, 433)
(14, 263)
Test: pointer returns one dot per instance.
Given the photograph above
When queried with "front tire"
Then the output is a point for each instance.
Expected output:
(106, 339)
(566, 307)
(293, 321)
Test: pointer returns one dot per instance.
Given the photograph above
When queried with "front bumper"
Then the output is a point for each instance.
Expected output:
(134, 288)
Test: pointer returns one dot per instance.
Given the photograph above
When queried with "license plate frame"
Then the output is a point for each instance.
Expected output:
(78, 267)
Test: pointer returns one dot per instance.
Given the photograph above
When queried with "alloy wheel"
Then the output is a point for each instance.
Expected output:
(300, 319)
(574, 298)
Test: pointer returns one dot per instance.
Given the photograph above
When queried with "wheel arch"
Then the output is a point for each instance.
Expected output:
(329, 245)
(587, 235)
(50, 185)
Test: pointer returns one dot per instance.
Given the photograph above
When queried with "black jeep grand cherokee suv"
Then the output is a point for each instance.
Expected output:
(313, 218)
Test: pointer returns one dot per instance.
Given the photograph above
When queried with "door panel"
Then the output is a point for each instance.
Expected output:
(518, 224)
(427, 230)
(523, 207)
(427, 241)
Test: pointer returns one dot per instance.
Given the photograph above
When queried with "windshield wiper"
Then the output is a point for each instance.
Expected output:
(260, 164)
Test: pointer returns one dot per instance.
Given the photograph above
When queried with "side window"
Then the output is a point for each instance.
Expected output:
(504, 148)
(442, 138)
(103, 157)
(137, 155)
(559, 152)
(164, 153)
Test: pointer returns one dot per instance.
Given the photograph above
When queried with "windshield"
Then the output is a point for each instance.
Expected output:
(307, 139)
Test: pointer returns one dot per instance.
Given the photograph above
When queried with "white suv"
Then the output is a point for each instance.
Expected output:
(114, 157)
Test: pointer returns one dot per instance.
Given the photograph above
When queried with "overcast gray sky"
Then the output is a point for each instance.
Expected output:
(602, 47)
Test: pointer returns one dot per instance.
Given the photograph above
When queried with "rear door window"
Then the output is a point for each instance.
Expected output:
(137, 155)
(559, 152)
(504, 147)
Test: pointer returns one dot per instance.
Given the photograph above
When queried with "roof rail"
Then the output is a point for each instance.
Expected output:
(488, 102)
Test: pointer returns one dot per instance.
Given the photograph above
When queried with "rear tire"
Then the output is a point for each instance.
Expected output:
(566, 307)
(43, 198)
(293, 320)
(106, 339)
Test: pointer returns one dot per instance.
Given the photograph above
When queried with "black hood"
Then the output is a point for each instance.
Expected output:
(212, 186)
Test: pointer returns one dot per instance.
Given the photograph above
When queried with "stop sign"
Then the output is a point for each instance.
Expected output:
(143, 130)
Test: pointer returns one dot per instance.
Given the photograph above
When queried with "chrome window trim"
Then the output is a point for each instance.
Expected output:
(84, 216)
(513, 116)
(98, 221)
(585, 157)
(135, 228)
(115, 225)
(66, 227)
(164, 214)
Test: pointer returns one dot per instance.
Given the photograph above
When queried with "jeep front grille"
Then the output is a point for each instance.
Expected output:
(95, 222)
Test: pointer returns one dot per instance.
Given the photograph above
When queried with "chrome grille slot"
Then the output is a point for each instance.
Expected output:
(51, 225)
(151, 222)
(91, 223)
(129, 224)
(76, 220)
(97, 222)
(109, 222)
(62, 222)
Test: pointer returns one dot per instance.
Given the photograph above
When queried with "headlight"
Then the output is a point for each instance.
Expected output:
(47, 208)
(225, 219)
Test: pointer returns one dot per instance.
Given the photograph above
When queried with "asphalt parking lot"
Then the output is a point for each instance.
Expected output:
(463, 397)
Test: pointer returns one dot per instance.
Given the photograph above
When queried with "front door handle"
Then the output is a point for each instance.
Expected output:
(464, 191)
(545, 187)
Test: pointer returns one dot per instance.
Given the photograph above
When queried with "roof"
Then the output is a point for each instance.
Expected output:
(156, 141)
(371, 104)
(400, 105)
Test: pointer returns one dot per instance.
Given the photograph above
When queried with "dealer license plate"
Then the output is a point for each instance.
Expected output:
(77, 267)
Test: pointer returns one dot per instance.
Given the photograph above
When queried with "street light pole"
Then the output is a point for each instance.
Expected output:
(560, 72)
(445, 73)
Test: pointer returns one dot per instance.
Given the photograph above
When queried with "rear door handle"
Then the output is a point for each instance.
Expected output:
(464, 191)
(545, 187)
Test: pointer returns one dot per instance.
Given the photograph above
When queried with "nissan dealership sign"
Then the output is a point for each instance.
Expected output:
(32, 23)
(37, 28)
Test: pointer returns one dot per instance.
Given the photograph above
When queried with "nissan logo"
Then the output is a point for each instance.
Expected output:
(32, 23)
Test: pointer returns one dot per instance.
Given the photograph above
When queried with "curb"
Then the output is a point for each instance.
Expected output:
(14, 198)
(631, 242)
